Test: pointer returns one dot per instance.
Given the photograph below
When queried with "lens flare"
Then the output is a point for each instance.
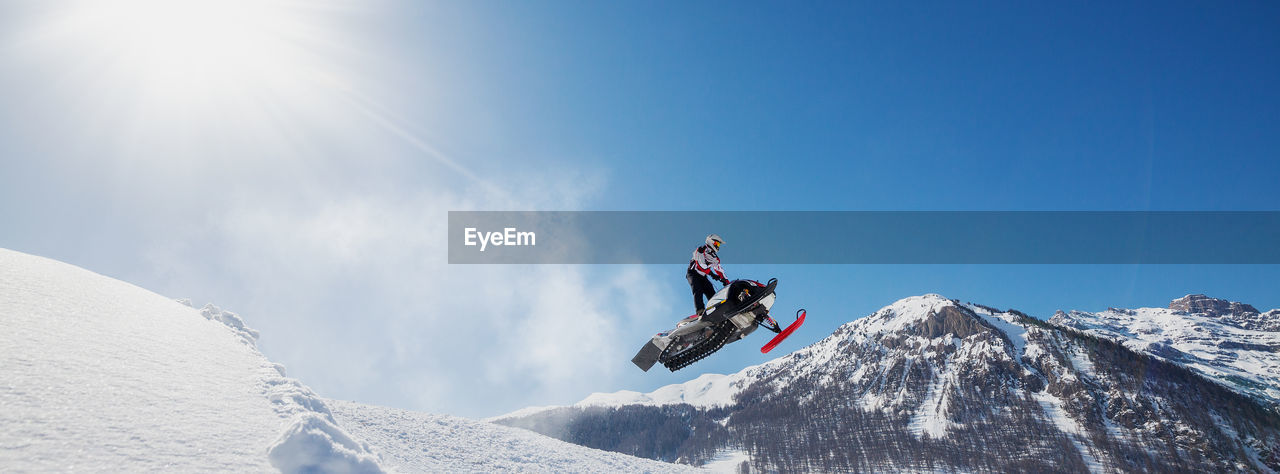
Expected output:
(189, 56)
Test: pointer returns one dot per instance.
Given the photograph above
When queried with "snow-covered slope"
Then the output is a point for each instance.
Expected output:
(705, 391)
(1229, 342)
(412, 441)
(100, 374)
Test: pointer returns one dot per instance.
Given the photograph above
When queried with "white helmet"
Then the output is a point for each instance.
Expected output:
(714, 241)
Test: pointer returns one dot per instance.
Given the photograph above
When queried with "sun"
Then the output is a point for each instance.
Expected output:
(189, 56)
(191, 85)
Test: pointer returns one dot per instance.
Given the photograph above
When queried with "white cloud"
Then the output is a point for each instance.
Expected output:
(315, 212)
(565, 329)
(354, 295)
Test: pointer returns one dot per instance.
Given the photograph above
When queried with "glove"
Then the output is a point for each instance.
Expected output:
(724, 281)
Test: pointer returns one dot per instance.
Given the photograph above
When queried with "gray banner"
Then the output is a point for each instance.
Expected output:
(809, 237)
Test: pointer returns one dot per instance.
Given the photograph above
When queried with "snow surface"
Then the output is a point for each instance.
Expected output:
(727, 461)
(97, 374)
(705, 391)
(412, 441)
(1243, 359)
(708, 390)
(1006, 323)
(1052, 407)
(101, 374)
(931, 418)
(901, 314)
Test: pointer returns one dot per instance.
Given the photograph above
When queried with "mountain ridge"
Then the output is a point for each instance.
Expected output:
(960, 386)
(1228, 342)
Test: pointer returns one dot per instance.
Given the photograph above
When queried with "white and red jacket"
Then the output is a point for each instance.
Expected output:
(706, 262)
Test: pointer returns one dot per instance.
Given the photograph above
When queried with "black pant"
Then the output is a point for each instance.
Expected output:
(701, 286)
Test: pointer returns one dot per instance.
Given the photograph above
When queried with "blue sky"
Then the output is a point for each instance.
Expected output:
(294, 163)
(1070, 107)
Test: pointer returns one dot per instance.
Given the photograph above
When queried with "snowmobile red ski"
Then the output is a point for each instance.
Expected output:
(785, 332)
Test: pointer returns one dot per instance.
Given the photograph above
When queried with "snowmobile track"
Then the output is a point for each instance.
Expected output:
(706, 348)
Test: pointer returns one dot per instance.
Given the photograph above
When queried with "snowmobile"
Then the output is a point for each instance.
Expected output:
(730, 315)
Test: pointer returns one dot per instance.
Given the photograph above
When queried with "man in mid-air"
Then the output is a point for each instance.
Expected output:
(705, 263)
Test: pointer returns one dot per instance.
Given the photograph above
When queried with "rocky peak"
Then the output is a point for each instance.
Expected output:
(903, 313)
(1210, 306)
(1268, 321)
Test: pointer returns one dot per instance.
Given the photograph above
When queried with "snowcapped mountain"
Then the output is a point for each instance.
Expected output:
(705, 391)
(1229, 342)
(929, 383)
(100, 375)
